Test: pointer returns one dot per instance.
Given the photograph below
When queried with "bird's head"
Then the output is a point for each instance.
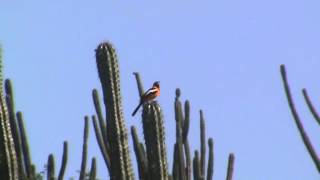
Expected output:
(156, 84)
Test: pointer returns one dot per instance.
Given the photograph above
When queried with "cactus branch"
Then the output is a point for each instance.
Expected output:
(64, 161)
(230, 167)
(93, 169)
(102, 146)
(51, 168)
(139, 83)
(297, 120)
(203, 144)
(310, 106)
(84, 148)
(140, 156)
(210, 160)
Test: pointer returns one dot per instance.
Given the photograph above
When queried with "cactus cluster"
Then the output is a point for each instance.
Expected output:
(112, 136)
(151, 155)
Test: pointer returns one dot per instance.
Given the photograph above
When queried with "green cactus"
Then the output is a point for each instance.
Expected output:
(210, 160)
(50, 167)
(64, 161)
(140, 155)
(305, 138)
(101, 143)
(93, 169)
(112, 137)
(8, 157)
(84, 148)
(25, 146)
(230, 167)
(153, 130)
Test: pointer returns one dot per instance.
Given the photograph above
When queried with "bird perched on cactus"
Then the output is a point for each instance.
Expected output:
(149, 95)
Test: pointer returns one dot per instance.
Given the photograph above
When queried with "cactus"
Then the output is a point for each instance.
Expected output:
(140, 155)
(8, 157)
(108, 70)
(111, 134)
(84, 148)
(153, 130)
(50, 167)
(93, 170)
(64, 161)
(303, 134)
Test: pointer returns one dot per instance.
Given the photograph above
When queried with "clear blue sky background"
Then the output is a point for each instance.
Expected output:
(224, 55)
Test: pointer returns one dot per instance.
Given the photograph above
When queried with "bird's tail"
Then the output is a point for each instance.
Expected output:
(137, 108)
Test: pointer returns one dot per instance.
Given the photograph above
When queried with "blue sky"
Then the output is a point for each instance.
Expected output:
(224, 55)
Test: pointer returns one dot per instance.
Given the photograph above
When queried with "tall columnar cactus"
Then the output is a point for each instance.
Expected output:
(154, 136)
(50, 167)
(84, 148)
(8, 157)
(117, 137)
(297, 119)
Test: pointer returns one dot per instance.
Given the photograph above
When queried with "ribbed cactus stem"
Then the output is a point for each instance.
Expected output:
(203, 144)
(296, 117)
(84, 148)
(210, 160)
(93, 169)
(154, 136)
(14, 127)
(102, 146)
(185, 131)
(8, 156)
(102, 124)
(108, 69)
(196, 166)
(180, 135)
(230, 167)
(51, 167)
(311, 106)
(175, 166)
(63, 161)
(24, 145)
(139, 83)
(140, 156)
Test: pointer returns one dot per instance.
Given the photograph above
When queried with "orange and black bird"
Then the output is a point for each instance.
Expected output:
(149, 95)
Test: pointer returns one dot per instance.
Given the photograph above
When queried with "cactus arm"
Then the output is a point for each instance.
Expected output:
(93, 169)
(185, 132)
(51, 167)
(303, 134)
(196, 166)
(230, 166)
(310, 106)
(139, 83)
(140, 156)
(64, 161)
(203, 144)
(24, 144)
(84, 148)
(14, 127)
(101, 144)
(210, 160)
(102, 124)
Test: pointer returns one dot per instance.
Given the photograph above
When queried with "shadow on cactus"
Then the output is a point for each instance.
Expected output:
(151, 155)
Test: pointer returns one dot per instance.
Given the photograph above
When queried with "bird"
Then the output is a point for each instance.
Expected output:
(149, 95)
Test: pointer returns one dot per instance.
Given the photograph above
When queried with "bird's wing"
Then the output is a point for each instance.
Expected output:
(150, 91)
